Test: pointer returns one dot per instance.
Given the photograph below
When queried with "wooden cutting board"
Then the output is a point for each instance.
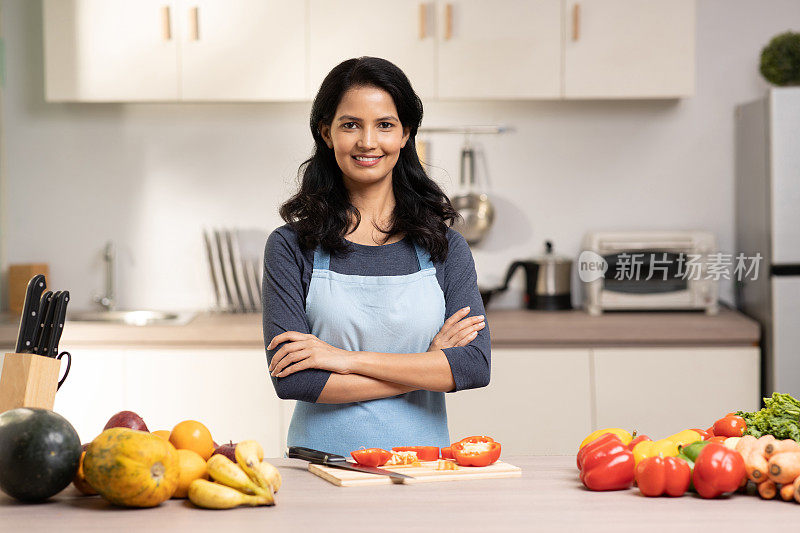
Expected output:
(424, 473)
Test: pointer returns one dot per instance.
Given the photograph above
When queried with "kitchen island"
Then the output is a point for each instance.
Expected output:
(548, 497)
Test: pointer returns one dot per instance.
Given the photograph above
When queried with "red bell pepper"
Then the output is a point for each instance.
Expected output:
(424, 453)
(663, 475)
(716, 439)
(599, 441)
(609, 465)
(717, 470)
(637, 440)
(730, 426)
(371, 456)
(447, 453)
(476, 451)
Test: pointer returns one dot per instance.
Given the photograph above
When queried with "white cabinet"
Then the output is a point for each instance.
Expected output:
(537, 402)
(659, 391)
(629, 48)
(107, 50)
(398, 30)
(148, 50)
(243, 50)
(94, 390)
(506, 49)
(227, 390)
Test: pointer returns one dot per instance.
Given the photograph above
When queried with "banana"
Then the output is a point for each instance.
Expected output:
(204, 493)
(229, 473)
(249, 455)
(270, 474)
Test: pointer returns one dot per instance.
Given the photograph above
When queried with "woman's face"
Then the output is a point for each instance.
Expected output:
(365, 135)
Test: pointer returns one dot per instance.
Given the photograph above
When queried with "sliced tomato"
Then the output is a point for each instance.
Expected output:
(447, 453)
(476, 451)
(371, 456)
(424, 453)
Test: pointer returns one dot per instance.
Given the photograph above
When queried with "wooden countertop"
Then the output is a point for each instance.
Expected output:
(509, 328)
(548, 497)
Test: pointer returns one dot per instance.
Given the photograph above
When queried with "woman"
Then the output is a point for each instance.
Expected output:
(359, 281)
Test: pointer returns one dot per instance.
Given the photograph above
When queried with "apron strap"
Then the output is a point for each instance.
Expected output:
(423, 257)
(322, 259)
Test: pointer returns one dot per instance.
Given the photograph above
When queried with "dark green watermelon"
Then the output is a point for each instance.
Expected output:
(39, 453)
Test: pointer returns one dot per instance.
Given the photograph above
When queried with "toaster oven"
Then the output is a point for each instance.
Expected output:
(648, 270)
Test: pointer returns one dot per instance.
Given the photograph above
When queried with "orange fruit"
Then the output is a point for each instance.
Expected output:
(163, 433)
(192, 435)
(192, 467)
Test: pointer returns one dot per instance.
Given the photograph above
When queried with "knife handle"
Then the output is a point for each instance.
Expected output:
(44, 304)
(313, 456)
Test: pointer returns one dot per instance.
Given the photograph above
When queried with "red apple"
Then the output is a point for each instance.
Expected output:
(228, 450)
(126, 419)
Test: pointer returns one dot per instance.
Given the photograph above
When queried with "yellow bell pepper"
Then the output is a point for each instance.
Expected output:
(623, 435)
(667, 447)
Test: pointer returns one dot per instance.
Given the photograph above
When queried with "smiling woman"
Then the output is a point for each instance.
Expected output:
(358, 283)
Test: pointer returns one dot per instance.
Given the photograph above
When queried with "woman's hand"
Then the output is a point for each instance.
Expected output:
(303, 351)
(457, 330)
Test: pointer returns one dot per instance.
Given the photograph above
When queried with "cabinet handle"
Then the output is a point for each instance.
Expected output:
(166, 23)
(423, 20)
(194, 16)
(576, 22)
(448, 21)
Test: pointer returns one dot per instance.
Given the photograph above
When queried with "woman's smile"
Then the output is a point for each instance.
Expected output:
(367, 160)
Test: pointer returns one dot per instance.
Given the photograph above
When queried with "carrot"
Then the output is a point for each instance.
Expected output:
(784, 467)
(796, 487)
(780, 446)
(767, 490)
(787, 492)
(756, 467)
(745, 444)
(762, 442)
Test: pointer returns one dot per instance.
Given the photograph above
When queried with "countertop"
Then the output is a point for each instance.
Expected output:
(509, 328)
(548, 497)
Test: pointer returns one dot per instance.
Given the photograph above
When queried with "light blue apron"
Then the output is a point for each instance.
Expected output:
(388, 314)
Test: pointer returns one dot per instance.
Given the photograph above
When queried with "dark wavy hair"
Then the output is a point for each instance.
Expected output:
(321, 212)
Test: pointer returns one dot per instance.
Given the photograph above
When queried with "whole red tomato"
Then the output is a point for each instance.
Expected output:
(729, 426)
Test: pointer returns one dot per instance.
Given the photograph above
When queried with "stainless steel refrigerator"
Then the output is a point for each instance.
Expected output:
(768, 222)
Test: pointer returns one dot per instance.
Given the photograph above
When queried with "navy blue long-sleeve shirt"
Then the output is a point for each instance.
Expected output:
(287, 275)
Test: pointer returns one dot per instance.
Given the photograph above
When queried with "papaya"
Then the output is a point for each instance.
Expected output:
(80, 479)
(132, 468)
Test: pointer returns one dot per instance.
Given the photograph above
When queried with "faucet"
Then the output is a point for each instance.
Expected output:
(106, 301)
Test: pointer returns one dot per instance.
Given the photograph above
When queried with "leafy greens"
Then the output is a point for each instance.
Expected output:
(780, 418)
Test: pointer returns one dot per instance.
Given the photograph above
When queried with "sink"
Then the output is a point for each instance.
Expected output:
(134, 317)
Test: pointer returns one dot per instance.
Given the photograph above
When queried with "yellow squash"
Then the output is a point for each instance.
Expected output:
(132, 468)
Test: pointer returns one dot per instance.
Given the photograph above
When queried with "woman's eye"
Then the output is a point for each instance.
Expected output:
(385, 125)
(349, 125)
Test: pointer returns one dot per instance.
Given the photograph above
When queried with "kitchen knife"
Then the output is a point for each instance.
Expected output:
(337, 461)
(47, 324)
(59, 315)
(29, 321)
(43, 305)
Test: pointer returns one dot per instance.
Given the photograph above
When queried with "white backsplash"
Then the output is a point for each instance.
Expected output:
(151, 176)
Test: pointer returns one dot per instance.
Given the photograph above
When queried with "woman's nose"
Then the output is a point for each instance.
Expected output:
(368, 139)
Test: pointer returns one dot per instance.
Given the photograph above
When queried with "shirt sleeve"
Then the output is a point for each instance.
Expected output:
(283, 302)
(470, 364)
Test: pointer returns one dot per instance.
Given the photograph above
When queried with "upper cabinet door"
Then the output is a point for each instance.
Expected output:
(629, 48)
(110, 50)
(503, 49)
(398, 30)
(243, 50)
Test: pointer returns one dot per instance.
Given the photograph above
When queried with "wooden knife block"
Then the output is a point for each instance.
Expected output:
(28, 380)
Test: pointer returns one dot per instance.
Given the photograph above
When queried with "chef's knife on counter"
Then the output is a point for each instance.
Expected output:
(59, 315)
(29, 321)
(337, 461)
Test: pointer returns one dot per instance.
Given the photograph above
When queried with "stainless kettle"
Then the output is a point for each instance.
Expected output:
(547, 281)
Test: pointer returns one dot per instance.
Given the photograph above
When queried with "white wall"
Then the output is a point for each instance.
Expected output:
(151, 176)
